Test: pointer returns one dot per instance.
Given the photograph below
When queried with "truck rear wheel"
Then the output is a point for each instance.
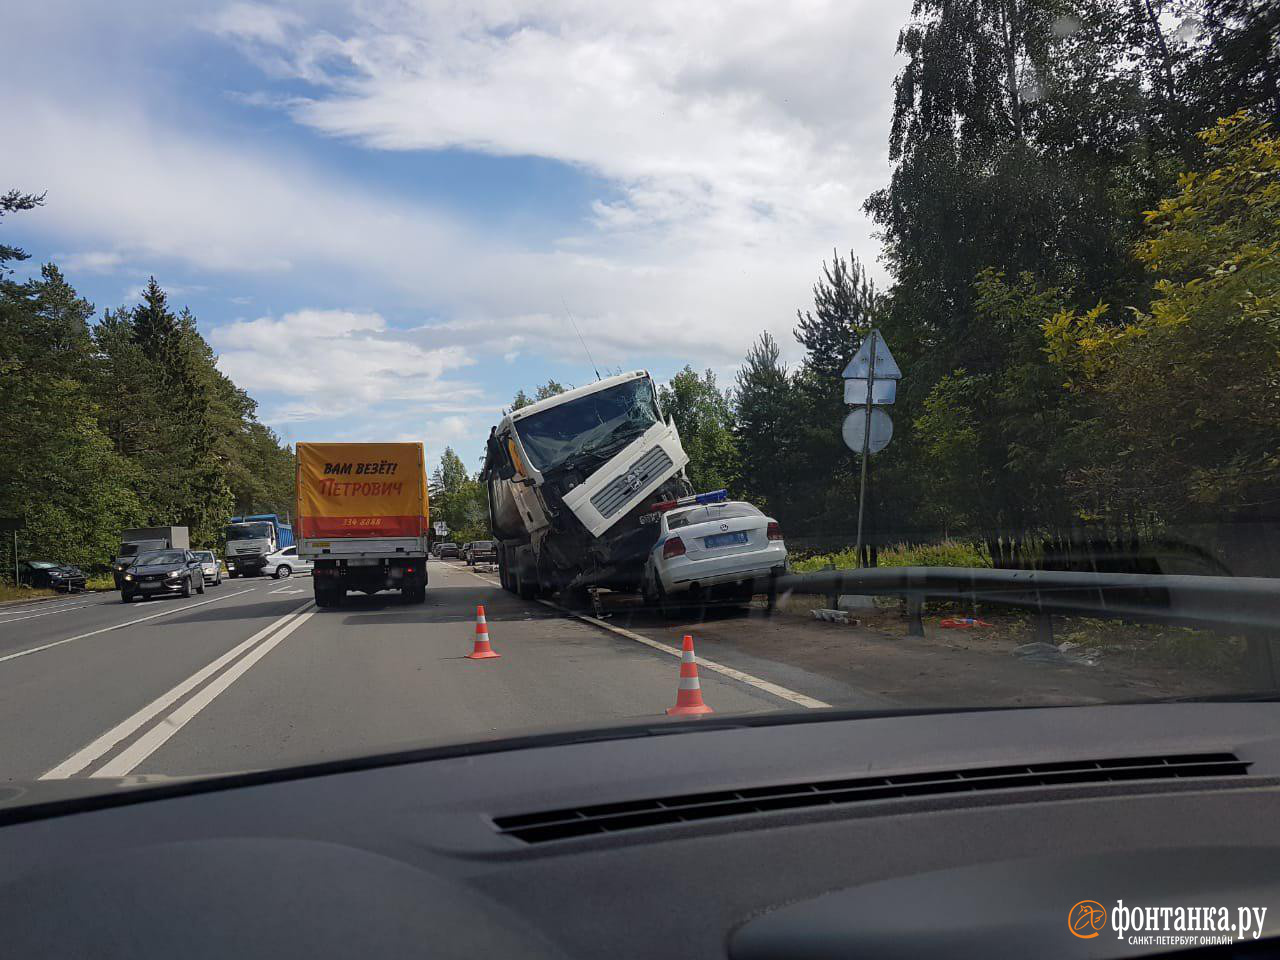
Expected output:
(506, 575)
(526, 575)
(327, 596)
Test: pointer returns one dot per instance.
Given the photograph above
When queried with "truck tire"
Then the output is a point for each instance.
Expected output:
(415, 592)
(505, 575)
(526, 573)
(327, 596)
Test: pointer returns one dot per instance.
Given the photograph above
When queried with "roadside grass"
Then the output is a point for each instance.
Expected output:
(11, 593)
(100, 583)
(948, 553)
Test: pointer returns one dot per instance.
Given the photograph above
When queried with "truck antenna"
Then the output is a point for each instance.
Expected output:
(580, 340)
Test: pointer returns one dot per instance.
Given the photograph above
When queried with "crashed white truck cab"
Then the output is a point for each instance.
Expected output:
(570, 477)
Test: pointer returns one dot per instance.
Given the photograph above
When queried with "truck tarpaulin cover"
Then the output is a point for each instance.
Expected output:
(362, 490)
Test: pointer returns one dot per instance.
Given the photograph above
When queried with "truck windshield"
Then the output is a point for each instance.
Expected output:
(132, 549)
(594, 423)
(248, 531)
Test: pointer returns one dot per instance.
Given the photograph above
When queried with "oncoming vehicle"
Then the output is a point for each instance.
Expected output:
(143, 539)
(250, 540)
(481, 551)
(210, 566)
(449, 551)
(162, 572)
(286, 562)
(710, 548)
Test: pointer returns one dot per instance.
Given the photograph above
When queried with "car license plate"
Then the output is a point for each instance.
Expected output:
(149, 586)
(725, 539)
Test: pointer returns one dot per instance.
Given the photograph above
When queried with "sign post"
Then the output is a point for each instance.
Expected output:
(870, 379)
(14, 524)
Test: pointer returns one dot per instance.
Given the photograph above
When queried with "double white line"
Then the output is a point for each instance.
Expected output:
(249, 652)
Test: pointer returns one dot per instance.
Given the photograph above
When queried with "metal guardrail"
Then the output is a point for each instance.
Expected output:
(1248, 606)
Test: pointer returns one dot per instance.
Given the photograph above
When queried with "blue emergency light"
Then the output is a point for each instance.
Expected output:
(715, 496)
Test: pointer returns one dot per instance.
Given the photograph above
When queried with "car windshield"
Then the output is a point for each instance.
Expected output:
(159, 557)
(962, 319)
(597, 422)
(249, 531)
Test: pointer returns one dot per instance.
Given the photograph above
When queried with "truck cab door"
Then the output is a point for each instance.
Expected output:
(523, 487)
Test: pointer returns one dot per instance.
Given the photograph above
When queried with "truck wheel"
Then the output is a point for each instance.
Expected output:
(505, 576)
(327, 596)
(526, 574)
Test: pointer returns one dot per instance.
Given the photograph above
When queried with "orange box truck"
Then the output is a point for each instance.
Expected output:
(362, 518)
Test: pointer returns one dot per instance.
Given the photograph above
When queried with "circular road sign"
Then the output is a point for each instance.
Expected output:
(855, 429)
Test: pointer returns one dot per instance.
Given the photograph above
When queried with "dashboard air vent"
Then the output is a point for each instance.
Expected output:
(630, 815)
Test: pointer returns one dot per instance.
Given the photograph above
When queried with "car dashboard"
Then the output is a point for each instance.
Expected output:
(822, 835)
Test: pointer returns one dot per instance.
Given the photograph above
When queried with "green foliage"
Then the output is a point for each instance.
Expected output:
(124, 423)
(764, 405)
(704, 419)
(1203, 361)
(947, 553)
(459, 500)
(547, 390)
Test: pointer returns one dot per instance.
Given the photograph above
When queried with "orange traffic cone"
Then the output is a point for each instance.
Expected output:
(482, 650)
(689, 695)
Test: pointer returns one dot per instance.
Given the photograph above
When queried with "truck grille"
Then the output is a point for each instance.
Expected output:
(620, 489)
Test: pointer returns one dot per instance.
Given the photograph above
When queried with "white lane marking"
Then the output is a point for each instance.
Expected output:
(120, 626)
(157, 736)
(85, 756)
(289, 590)
(32, 616)
(767, 686)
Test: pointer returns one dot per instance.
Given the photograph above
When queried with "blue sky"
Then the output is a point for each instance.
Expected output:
(382, 211)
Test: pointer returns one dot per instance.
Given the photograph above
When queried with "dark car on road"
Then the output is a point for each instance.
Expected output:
(163, 572)
(449, 550)
(481, 551)
(49, 575)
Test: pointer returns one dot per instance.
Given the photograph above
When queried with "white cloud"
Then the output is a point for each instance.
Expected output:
(253, 22)
(90, 261)
(733, 116)
(333, 361)
(738, 141)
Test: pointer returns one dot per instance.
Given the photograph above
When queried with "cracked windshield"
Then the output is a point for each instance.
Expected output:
(388, 375)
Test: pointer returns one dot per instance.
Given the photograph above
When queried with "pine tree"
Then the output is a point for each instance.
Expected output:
(764, 409)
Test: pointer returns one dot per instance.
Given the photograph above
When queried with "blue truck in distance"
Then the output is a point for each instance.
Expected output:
(251, 539)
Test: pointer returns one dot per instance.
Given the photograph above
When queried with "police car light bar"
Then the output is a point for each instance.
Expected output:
(715, 496)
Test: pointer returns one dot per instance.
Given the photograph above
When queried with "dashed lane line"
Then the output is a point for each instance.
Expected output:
(120, 626)
(791, 696)
(47, 613)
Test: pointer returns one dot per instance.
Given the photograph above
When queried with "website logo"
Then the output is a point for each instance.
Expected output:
(1086, 918)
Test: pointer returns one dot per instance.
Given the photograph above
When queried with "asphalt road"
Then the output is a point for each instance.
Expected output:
(252, 675)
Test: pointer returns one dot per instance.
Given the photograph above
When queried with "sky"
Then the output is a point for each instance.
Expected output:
(388, 215)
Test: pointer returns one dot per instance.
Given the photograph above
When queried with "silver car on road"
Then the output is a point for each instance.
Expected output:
(210, 565)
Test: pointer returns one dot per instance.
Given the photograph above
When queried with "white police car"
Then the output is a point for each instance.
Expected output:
(710, 548)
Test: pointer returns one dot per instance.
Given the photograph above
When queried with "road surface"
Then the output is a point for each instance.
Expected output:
(252, 675)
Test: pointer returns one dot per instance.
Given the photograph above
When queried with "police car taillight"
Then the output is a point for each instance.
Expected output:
(674, 547)
(774, 531)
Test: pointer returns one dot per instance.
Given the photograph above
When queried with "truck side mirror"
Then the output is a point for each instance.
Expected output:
(500, 459)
